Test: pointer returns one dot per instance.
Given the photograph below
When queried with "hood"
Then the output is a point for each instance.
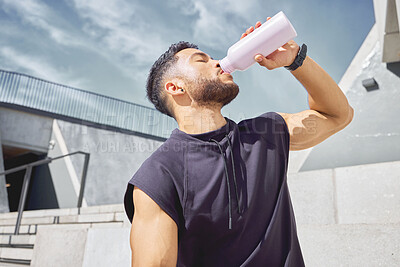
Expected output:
(221, 139)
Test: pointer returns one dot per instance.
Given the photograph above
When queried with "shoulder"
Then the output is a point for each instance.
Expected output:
(266, 124)
(162, 169)
(160, 178)
(168, 154)
(267, 116)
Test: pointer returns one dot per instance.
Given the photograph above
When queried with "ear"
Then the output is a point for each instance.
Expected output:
(173, 88)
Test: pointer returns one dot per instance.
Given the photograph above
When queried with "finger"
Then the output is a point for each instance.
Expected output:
(243, 35)
(249, 30)
(265, 62)
(268, 18)
(258, 24)
(258, 58)
(272, 54)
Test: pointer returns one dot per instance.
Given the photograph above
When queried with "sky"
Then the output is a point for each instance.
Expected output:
(108, 46)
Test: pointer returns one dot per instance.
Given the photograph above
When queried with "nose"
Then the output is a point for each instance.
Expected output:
(216, 64)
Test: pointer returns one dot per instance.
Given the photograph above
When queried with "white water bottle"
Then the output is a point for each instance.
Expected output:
(264, 40)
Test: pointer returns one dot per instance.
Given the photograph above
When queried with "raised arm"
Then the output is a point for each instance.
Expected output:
(154, 234)
(329, 109)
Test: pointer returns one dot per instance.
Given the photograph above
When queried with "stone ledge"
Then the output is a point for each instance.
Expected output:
(16, 253)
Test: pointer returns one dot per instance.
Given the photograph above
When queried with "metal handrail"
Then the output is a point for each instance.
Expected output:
(27, 178)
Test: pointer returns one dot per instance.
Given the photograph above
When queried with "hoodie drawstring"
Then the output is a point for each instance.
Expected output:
(227, 178)
(234, 175)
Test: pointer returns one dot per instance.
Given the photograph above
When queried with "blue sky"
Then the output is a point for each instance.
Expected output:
(108, 46)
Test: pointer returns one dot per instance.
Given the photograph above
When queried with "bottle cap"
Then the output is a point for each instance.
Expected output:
(226, 66)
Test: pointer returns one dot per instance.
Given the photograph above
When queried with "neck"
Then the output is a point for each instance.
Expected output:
(200, 120)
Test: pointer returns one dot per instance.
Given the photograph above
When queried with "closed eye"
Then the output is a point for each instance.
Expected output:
(200, 57)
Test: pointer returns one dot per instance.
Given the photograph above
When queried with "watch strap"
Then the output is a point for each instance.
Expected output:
(298, 61)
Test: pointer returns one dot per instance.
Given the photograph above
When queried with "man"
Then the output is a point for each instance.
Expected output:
(215, 193)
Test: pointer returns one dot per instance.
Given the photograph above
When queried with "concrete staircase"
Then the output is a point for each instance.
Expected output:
(17, 250)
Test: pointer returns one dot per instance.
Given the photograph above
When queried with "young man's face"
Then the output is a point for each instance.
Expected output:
(204, 78)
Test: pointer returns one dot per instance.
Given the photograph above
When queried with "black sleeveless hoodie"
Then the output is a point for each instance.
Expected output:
(227, 192)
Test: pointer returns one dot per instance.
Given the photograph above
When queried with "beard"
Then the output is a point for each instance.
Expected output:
(208, 92)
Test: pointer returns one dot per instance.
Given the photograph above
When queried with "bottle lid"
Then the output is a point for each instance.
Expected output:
(226, 66)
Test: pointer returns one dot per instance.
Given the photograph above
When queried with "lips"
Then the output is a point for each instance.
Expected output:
(223, 72)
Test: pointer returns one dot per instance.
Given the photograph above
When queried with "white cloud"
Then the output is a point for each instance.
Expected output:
(118, 26)
(39, 67)
(41, 17)
(107, 16)
(218, 23)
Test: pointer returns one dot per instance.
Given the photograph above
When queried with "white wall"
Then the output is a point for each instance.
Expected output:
(348, 216)
(25, 130)
(114, 158)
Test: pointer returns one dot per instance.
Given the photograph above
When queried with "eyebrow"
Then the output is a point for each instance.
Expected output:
(200, 54)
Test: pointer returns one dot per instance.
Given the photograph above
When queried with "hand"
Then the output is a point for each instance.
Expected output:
(283, 56)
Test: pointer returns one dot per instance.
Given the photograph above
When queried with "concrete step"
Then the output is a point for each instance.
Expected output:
(69, 211)
(118, 208)
(23, 230)
(17, 250)
(27, 221)
(39, 213)
(88, 218)
(72, 226)
(5, 264)
(17, 239)
(16, 253)
(82, 218)
(82, 247)
(108, 225)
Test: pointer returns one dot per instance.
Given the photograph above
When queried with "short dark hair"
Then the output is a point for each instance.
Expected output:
(154, 86)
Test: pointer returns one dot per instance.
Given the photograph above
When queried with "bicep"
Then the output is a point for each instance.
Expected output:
(154, 234)
(310, 127)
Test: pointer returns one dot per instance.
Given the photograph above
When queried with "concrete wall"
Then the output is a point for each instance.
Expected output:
(25, 130)
(374, 134)
(114, 158)
(348, 216)
(63, 174)
(82, 248)
(21, 130)
(367, 245)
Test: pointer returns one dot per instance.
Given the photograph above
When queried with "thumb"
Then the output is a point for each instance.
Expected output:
(265, 62)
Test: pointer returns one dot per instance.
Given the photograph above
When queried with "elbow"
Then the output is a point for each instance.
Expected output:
(350, 115)
(346, 118)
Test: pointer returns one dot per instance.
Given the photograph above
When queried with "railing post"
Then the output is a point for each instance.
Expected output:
(83, 180)
(27, 177)
(22, 200)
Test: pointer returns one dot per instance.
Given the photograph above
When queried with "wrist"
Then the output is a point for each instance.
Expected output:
(297, 53)
(298, 61)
